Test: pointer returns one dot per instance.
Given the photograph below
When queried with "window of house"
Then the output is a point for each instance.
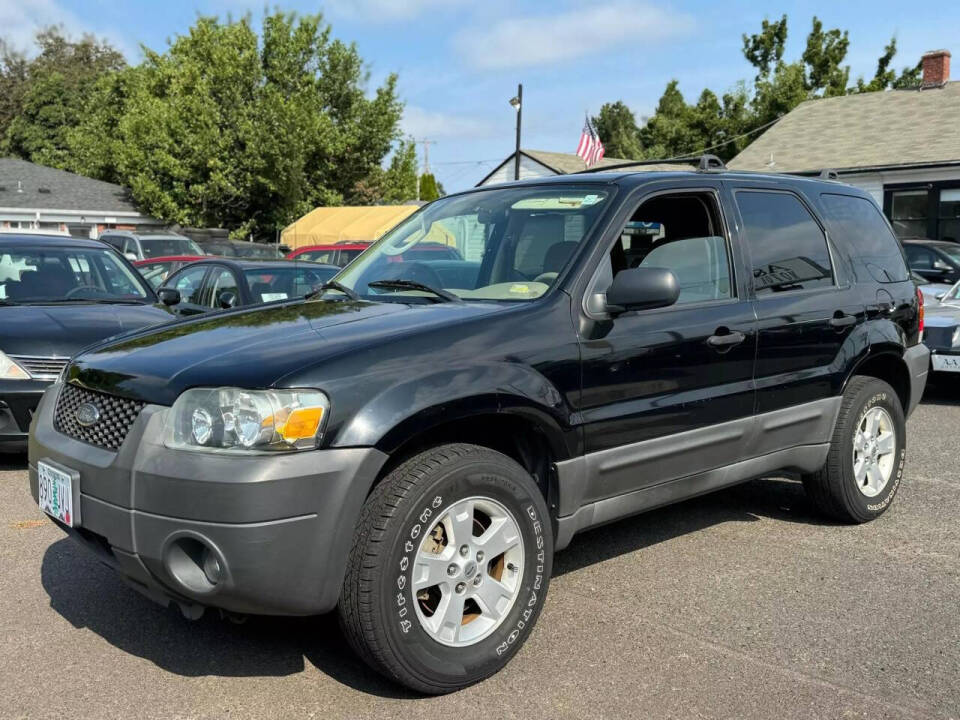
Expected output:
(787, 247)
(949, 220)
(908, 213)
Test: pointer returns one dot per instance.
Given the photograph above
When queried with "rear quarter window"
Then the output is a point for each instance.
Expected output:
(857, 223)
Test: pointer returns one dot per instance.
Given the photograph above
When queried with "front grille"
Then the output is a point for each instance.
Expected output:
(41, 368)
(109, 431)
(938, 337)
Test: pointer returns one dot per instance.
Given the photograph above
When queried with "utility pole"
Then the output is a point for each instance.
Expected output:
(426, 160)
(517, 103)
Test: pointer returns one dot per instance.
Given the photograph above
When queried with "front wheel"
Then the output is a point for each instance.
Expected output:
(449, 568)
(865, 463)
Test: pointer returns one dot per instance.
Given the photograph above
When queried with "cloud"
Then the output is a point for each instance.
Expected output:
(421, 123)
(20, 22)
(542, 39)
(385, 10)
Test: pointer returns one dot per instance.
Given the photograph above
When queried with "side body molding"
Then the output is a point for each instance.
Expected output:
(676, 467)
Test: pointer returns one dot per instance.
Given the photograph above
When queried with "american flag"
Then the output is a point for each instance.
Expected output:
(590, 148)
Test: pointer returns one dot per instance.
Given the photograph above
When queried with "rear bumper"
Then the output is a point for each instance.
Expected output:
(918, 364)
(279, 526)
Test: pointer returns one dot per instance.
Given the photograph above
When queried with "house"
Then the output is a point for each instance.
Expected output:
(539, 163)
(38, 197)
(902, 146)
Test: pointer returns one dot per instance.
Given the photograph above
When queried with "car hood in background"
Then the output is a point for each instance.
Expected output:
(253, 347)
(62, 330)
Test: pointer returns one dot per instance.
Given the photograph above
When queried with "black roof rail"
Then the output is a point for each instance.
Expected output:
(710, 162)
(828, 174)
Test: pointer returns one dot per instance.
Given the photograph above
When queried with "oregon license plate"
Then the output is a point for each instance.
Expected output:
(55, 492)
(946, 363)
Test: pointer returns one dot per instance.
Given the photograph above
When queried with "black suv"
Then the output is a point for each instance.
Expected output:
(412, 445)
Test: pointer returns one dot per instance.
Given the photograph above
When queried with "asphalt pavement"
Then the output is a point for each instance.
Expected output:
(739, 604)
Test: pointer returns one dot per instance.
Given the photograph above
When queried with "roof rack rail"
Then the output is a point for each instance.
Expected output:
(710, 162)
(828, 174)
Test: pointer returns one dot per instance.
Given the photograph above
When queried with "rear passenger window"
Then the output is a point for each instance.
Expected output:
(787, 247)
(857, 223)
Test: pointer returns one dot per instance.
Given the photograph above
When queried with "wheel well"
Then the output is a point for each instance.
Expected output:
(515, 437)
(892, 370)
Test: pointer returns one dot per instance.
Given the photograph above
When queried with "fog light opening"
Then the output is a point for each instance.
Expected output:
(194, 564)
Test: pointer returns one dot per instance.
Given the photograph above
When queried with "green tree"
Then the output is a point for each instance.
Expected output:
(823, 56)
(617, 128)
(227, 129)
(44, 98)
(884, 77)
(428, 187)
(764, 50)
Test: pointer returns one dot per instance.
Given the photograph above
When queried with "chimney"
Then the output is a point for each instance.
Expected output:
(936, 68)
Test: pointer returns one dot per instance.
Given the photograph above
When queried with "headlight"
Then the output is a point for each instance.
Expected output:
(9, 370)
(234, 419)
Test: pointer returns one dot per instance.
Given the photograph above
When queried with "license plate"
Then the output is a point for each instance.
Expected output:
(55, 492)
(946, 363)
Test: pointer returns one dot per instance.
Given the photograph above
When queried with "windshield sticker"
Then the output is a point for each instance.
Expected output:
(270, 297)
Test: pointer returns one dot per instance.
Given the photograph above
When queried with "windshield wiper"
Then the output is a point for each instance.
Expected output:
(332, 285)
(414, 285)
(7, 302)
(98, 301)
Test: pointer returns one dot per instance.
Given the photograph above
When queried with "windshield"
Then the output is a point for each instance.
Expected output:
(951, 251)
(60, 274)
(506, 244)
(283, 283)
(163, 246)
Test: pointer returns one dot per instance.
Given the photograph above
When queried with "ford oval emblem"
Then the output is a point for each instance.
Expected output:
(87, 414)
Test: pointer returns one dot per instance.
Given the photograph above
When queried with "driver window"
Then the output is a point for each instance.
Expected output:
(223, 281)
(189, 283)
(683, 234)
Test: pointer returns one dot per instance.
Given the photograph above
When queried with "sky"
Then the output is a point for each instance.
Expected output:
(459, 61)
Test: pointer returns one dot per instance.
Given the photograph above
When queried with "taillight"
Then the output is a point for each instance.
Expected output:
(920, 312)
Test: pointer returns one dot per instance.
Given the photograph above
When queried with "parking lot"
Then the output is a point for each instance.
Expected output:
(739, 604)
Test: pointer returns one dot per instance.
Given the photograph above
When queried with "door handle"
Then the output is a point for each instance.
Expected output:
(726, 340)
(842, 321)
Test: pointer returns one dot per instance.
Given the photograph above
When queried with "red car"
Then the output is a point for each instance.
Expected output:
(156, 270)
(339, 255)
(343, 253)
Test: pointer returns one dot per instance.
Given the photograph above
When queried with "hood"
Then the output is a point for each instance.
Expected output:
(253, 347)
(63, 330)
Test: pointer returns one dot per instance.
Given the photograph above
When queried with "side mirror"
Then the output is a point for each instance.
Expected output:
(169, 296)
(132, 257)
(227, 299)
(642, 288)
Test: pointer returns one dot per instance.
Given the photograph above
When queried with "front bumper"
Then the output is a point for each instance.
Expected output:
(18, 402)
(281, 526)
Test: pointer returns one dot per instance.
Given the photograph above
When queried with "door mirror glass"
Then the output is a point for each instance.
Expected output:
(169, 296)
(227, 299)
(642, 288)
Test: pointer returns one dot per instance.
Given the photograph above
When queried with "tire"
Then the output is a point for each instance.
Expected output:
(838, 490)
(394, 616)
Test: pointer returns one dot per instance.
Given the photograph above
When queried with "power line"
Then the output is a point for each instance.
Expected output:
(698, 153)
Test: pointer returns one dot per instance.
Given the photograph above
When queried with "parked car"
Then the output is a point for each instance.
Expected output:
(222, 283)
(139, 246)
(340, 255)
(932, 292)
(156, 270)
(57, 295)
(936, 260)
(412, 450)
(242, 249)
(942, 332)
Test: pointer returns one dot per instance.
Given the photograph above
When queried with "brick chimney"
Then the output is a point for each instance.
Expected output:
(936, 68)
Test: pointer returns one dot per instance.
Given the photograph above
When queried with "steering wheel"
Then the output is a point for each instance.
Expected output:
(74, 291)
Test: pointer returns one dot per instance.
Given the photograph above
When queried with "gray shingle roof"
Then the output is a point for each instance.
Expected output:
(568, 163)
(878, 129)
(67, 191)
